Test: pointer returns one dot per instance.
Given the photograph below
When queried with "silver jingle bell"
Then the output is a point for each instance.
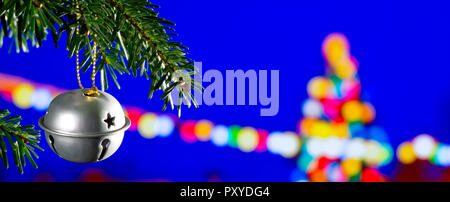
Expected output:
(84, 129)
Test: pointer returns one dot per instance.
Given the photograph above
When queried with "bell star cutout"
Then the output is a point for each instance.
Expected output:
(110, 120)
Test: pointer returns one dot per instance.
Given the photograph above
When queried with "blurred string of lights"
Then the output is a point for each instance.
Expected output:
(27, 94)
(424, 147)
(336, 138)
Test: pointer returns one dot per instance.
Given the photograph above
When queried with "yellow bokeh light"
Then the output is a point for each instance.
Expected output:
(321, 129)
(203, 130)
(319, 87)
(336, 49)
(247, 139)
(345, 69)
(22, 95)
(146, 125)
(352, 111)
(351, 167)
(306, 126)
(405, 153)
(340, 130)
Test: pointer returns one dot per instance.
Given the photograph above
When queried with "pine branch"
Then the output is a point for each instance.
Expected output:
(22, 140)
(131, 39)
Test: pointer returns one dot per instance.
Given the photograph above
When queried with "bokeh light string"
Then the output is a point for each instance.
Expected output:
(424, 147)
(27, 94)
(335, 141)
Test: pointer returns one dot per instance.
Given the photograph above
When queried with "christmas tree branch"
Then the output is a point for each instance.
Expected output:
(137, 26)
(22, 140)
(130, 36)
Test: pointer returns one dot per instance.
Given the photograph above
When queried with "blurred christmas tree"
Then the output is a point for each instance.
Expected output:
(341, 143)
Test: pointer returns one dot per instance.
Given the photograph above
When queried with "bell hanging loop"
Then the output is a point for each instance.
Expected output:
(92, 92)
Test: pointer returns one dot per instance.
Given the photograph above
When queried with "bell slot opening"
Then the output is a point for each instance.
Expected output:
(105, 144)
(52, 143)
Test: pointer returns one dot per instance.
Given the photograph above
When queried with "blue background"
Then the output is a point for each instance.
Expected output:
(402, 48)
